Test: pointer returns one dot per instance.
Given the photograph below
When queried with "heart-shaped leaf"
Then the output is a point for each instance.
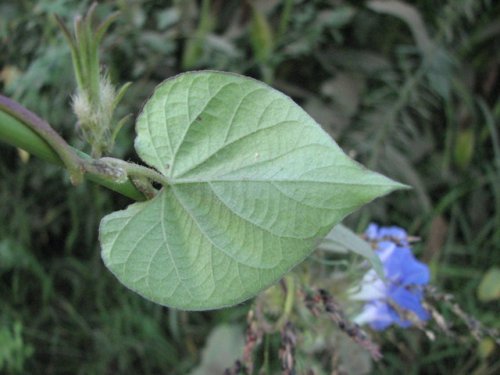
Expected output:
(255, 183)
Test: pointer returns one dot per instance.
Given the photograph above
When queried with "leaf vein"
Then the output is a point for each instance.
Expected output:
(190, 124)
(285, 122)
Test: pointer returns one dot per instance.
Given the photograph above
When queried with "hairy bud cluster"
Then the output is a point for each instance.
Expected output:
(95, 116)
(96, 98)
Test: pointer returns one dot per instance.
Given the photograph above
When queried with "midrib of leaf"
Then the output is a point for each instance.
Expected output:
(242, 138)
(260, 162)
(295, 179)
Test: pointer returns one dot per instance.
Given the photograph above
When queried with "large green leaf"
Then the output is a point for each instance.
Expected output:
(255, 184)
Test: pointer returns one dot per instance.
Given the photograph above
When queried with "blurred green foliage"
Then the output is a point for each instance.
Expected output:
(408, 88)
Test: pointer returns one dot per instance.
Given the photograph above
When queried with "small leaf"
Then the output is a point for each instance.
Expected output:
(464, 148)
(341, 16)
(343, 239)
(261, 36)
(407, 13)
(255, 184)
(486, 347)
(489, 288)
(194, 46)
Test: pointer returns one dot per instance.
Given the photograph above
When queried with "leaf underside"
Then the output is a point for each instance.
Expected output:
(255, 183)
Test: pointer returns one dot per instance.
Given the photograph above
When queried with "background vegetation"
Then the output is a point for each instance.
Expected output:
(407, 88)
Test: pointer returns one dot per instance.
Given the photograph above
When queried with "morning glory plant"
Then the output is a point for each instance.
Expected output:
(398, 299)
(236, 184)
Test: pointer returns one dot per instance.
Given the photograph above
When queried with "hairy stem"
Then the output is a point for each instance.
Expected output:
(137, 170)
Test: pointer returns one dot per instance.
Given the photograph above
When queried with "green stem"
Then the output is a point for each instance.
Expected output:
(67, 155)
(13, 132)
(289, 301)
(108, 179)
(18, 131)
(285, 18)
(290, 295)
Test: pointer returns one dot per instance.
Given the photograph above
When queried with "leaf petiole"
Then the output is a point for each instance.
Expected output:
(136, 170)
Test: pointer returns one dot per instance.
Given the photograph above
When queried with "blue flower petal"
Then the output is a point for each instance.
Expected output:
(404, 277)
(385, 250)
(393, 232)
(371, 288)
(403, 268)
(409, 300)
(416, 273)
(378, 314)
(372, 232)
(376, 233)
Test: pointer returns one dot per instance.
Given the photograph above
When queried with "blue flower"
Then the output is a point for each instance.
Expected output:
(405, 278)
